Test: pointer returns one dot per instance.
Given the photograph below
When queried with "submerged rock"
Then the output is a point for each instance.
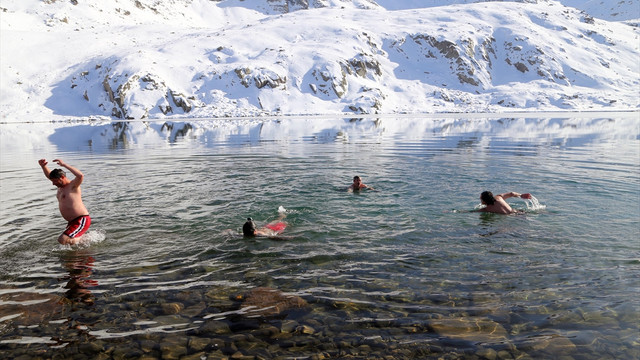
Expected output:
(265, 301)
(28, 309)
(553, 344)
(172, 308)
(469, 329)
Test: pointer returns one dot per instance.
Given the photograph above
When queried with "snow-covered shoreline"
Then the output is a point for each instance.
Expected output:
(443, 115)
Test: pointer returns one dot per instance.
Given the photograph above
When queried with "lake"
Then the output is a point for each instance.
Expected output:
(404, 271)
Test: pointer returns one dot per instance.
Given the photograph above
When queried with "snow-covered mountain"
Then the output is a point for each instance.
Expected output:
(140, 59)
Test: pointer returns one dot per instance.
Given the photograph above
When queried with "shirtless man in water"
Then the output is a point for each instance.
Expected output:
(358, 185)
(69, 201)
(497, 204)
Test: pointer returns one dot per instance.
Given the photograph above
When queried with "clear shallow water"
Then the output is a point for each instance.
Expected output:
(404, 272)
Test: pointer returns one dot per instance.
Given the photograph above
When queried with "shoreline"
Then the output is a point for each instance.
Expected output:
(446, 115)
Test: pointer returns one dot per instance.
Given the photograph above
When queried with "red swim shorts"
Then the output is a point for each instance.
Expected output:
(277, 227)
(78, 226)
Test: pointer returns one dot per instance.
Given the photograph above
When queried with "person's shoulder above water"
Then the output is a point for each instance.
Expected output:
(357, 185)
(496, 203)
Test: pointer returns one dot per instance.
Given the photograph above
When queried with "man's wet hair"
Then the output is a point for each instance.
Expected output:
(487, 198)
(56, 174)
(356, 177)
(249, 228)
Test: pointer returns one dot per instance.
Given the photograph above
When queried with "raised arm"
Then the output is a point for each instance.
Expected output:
(515, 194)
(77, 173)
(45, 169)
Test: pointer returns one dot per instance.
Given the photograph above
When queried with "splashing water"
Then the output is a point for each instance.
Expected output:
(533, 204)
(91, 237)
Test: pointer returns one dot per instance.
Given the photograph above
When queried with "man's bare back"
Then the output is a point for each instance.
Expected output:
(497, 204)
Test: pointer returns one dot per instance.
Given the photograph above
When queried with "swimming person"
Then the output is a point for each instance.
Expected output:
(271, 229)
(69, 201)
(358, 185)
(497, 204)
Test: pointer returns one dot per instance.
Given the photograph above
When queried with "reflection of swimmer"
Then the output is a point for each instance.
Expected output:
(80, 269)
(271, 229)
(497, 204)
(69, 201)
(358, 185)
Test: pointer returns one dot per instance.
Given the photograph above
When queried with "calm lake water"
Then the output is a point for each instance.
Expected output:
(402, 272)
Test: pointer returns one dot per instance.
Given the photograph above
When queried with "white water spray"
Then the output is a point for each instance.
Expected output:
(533, 204)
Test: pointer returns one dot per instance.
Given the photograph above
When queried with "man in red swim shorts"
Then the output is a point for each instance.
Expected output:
(69, 201)
(78, 226)
(271, 229)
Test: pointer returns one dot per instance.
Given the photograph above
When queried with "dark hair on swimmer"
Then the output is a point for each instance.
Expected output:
(249, 228)
(487, 198)
(56, 174)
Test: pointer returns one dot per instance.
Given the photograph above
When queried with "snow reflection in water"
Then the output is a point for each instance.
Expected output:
(404, 271)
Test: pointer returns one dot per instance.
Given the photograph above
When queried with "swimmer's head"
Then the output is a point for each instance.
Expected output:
(249, 228)
(56, 174)
(487, 198)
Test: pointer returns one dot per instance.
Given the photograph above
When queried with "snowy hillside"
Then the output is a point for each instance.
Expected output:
(146, 59)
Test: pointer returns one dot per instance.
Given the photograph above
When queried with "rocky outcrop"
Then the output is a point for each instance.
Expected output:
(287, 6)
(260, 77)
(465, 60)
(329, 81)
(181, 100)
(129, 96)
(332, 79)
